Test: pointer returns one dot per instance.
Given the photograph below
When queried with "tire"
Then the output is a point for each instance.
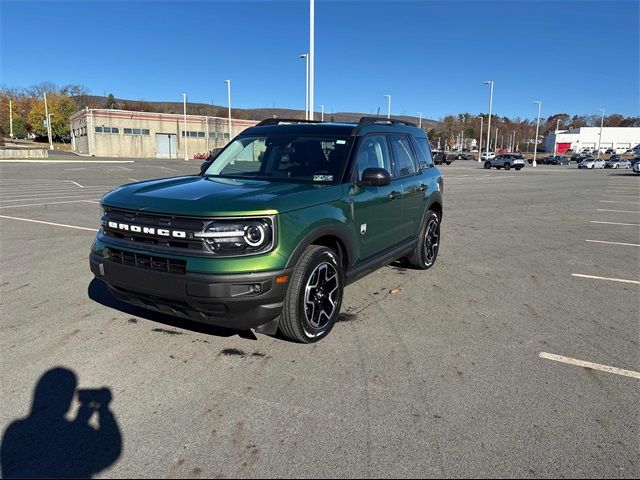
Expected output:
(426, 252)
(448, 163)
(517, 169)
(487, 165)
(317, 284)
(507, 166)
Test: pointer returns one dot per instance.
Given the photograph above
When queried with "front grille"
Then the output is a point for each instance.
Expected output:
(155, 221)
(148, 262)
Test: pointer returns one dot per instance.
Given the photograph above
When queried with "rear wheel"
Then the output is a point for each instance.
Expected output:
(426, 252)
(312, 303)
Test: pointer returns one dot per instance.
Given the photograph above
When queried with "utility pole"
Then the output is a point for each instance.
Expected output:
(10, 120)
(420, 121)
(480, 143)
(46, 112)
(186, 133)
(312, 9)
(535, 140)
(495, 142)
(601, 125)
(306, 86)
(228, 82)
(322, 113)
(389, 106)
(555, 139)
(489, 82)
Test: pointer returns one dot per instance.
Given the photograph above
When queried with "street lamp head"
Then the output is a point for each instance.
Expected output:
(488, 82)
(303, 55)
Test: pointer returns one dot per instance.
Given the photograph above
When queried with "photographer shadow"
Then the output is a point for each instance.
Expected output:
(48, 445)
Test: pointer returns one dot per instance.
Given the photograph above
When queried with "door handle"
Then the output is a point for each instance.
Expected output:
(423, 187)
(393, 195)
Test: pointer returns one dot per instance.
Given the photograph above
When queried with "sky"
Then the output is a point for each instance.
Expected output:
(430, 56)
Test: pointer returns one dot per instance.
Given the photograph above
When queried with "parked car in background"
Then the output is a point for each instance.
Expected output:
(505, 161)
(440, 157)
(636, 167)
(558, 160)
(491, 155)
(617, 163)
(591, 163)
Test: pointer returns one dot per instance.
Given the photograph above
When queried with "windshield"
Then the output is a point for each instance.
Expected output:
(283, 157)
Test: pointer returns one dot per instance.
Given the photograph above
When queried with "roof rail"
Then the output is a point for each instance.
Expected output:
(373, 120)
(278, 121)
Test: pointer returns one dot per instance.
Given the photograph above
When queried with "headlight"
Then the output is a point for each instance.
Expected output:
(239, 236)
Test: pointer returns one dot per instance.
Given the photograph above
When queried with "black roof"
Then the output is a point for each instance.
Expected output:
(310, 127)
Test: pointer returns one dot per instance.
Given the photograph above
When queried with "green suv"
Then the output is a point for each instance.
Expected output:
(275, 226)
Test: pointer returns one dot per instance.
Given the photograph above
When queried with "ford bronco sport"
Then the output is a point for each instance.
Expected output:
(275, 226)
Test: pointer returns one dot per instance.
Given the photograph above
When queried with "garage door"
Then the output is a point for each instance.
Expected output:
(166, 145)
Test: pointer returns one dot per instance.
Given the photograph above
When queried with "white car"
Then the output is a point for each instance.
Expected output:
(591, 163)
(491, 155)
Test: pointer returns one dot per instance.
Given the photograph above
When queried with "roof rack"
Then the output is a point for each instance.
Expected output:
(278, 121)
(373, 120)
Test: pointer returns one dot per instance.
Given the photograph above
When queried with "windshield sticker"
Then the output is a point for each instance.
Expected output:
(340, 142)
(323, 178)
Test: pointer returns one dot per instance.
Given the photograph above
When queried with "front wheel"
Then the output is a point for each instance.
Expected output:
(518, 169)
(312, 303)
(507, 166)
(487, 165)
(426, 252)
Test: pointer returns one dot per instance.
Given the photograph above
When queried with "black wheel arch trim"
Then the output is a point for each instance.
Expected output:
(316, 234)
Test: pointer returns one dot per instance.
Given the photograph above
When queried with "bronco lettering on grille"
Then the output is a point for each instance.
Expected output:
(162, 232)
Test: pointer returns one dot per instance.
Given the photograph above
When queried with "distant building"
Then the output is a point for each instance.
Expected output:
(620, 139)
(123, 133)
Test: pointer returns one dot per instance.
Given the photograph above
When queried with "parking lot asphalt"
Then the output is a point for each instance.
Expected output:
(448, 376)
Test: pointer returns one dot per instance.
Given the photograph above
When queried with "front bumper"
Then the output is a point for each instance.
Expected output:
(237, 301)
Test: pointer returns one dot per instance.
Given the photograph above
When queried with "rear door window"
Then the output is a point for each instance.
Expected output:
(423, 151)
(404, 161)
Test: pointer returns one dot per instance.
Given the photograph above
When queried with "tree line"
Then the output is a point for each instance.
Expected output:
(452, 128)
(63, 101)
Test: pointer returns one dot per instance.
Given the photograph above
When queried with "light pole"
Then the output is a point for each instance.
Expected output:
(535, 140)
(46, 113)
(489, 82)
(186, 133)
(312, 9)
(555, 139)
(495, 142)
(420, 120)
(389, 106)
(601, 125)
(480, 143)
(228, 82)
(10, 120)
(321, 113)
(306, 86)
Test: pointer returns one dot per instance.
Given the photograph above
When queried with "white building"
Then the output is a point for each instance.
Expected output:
(620, 139)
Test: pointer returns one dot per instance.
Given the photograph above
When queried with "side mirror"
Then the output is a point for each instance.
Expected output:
(205, 165)
(374, 177)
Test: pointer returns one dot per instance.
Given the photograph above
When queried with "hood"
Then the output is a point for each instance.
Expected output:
(207, 196)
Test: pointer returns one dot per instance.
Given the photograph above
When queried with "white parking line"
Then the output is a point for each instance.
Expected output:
(49, 223)
(66, 161)
(615, 201)
(614, 243)
(88, 194)
(617, 223)
(594, 277)
(87, 191)
(49, 203)
(591, 365)
(619, 195)
(617, 211)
